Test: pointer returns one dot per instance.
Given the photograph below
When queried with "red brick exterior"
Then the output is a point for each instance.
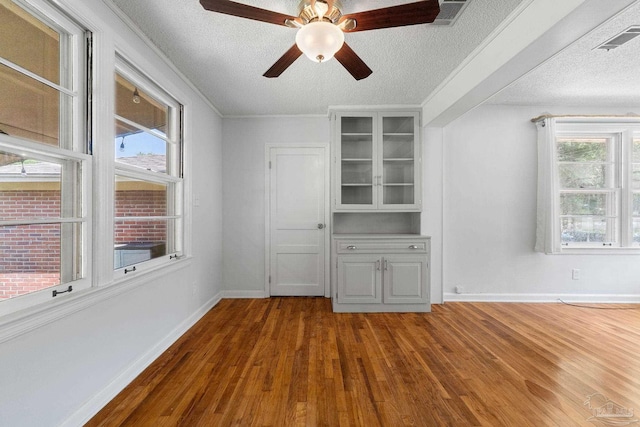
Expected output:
(140, 203)
(30, 255)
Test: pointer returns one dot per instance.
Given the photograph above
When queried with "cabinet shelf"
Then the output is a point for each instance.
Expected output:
(357, 160)
(399, 184)
(398, 134)
(356, 134)
(346, 184)
(397, 159)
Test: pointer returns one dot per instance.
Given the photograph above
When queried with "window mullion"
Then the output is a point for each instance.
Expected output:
(624, 176)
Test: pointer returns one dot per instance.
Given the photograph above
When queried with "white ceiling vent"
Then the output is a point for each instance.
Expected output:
(450, 10)
(620, 39)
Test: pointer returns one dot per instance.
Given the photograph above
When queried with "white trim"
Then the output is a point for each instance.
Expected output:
(93, 405)
(547, 298)
(274, 116)
(374, 108)
(238, 294)
(15, 324)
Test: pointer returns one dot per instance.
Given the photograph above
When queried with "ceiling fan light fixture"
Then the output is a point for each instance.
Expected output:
(319, 40)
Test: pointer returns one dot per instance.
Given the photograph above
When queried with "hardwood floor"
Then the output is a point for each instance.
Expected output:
(291, 361)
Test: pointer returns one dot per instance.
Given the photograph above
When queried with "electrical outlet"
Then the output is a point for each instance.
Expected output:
(194, 288)
(459, 289)
(575, 274)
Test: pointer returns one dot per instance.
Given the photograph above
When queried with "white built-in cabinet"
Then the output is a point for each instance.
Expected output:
(377, 161)
(380, 262)
(378, 273)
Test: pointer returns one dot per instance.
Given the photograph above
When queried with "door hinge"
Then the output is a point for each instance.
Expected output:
(269, 279)
(269, 164)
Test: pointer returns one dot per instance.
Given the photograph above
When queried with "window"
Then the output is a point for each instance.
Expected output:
(45, 169)
(148, 177)
(589, 184)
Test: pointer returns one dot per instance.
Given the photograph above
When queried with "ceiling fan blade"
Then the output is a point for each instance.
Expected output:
(420, 12)
(352, 62)
(245, 11)
(284, 62)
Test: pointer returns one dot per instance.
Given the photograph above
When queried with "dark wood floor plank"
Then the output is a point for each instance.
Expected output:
(291, 361)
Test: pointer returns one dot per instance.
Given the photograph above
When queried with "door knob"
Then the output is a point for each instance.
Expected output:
(320, 226)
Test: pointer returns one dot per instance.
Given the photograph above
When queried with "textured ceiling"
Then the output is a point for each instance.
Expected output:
(582, 75)
(225, 56)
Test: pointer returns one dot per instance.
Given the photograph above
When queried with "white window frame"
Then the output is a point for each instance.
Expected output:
(173, 178)
(621, 130)
(72, 146)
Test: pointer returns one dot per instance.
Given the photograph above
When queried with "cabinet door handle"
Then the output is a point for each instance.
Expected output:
(413, 247)
(378, 265)
(385, 265)
(352, 247)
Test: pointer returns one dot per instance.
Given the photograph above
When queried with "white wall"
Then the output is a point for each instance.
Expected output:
(431, 217)
(489, 211)
(243, 197)
(63, 372)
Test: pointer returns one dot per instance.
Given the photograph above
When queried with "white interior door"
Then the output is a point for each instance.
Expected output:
(297, 202)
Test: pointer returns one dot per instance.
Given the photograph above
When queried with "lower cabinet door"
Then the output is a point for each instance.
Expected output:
(359, 279)
(405, 279)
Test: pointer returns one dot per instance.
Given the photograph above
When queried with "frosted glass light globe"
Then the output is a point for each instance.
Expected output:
(320, 40)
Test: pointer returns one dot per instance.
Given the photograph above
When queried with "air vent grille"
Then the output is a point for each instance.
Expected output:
(620, 39)
(450, 10)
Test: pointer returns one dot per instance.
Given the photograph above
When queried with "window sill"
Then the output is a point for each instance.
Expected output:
(599, 251)
(21, 322)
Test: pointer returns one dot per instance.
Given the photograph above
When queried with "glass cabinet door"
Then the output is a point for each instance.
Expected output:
(357, 184)
(377, 161)
(398, 160)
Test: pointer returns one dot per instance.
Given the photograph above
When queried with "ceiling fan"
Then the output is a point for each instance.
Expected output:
(321, 27)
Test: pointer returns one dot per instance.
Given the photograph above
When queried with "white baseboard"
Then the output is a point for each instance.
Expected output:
(233, 294)
(98, 401)
(573, 298)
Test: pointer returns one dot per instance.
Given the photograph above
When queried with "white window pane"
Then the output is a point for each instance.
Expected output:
(583, 175)
(35, 257)
(30, 109)
(635, 176)
(588, 230)
(636, 204)
(141, 149)
(583, 149)
(636, 151)
(600, 204)
(134, 104)
(40, 54)
(141, 240)
(636, 231)
(31, 188)
(138, 198)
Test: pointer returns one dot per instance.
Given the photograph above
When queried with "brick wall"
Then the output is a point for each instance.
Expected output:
(140, 203)
(30, 255)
